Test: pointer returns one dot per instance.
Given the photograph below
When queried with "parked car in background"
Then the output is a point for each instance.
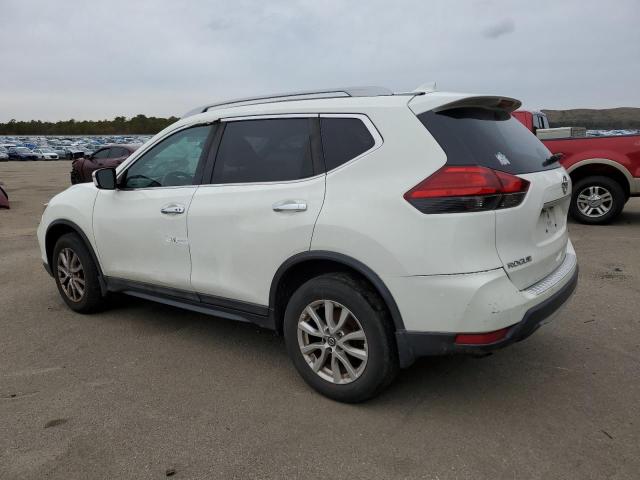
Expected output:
(4, 154)
(369, 228)
(74, 152)
(110, 156)
(46, 153)
(60, 150)
(605, 170)
(22, 153)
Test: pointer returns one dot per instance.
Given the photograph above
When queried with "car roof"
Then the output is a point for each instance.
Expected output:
(129, 146)
(340, 92)
(352, 99)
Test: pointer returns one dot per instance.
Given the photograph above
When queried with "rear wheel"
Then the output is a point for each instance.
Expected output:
(339, 337)
(596, 200)
(76, 274)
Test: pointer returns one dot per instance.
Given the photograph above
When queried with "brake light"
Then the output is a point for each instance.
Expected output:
(455, 189)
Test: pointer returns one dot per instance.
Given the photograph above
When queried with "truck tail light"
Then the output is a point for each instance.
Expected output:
(455, 189)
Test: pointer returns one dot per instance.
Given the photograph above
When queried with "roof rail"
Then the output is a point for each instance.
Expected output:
(291, 96)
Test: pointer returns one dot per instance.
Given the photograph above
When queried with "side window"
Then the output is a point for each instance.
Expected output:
(104, 153)
(540, 121)
(117, 152)
(536, 122)
(170, 163)
(343, 139)
(270, 150)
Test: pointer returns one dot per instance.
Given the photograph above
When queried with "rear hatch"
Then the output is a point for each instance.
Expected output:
(531, 238)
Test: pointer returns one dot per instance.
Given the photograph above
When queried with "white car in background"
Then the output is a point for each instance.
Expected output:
(367, 227)
(46, 153)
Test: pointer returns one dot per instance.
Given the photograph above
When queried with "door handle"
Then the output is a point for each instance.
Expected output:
(290, 206)
(173, 209)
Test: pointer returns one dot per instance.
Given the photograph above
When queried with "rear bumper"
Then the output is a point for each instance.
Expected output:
(412, 345)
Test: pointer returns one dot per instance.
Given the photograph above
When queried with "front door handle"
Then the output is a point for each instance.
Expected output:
(173, 209)
(290, 206)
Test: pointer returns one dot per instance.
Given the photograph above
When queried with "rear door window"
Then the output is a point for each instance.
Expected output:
(104, 153)
(117, 152)
(489, 138)
(269, 150)
(343, 139)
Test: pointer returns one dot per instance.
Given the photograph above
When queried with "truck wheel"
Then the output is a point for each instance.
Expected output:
(340, 339)
(596, 200)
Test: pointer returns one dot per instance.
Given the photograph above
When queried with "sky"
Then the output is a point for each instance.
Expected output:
(99, 59)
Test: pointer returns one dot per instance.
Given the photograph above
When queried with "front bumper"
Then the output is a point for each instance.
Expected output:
(412, 345)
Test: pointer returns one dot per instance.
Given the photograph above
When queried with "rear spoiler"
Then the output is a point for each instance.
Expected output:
(493, 103)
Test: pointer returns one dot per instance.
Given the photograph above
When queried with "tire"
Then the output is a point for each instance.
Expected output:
(75, 176)
(588, 204)
(366, 313)
(90, 299)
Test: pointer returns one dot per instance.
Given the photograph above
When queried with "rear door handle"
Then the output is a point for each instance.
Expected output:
(290, 206)
(173, 209)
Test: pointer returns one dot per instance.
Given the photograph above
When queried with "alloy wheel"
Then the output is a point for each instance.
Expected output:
(71, 274)
(594, 201)
(332, 341)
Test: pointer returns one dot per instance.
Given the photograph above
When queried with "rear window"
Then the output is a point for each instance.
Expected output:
(490, 138)
(343, 139)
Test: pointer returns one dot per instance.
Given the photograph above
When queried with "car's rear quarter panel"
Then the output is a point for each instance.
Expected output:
(366, 217)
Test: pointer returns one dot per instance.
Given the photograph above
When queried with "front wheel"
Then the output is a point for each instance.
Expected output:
(76, 274)
(596, 200)
(340, 339)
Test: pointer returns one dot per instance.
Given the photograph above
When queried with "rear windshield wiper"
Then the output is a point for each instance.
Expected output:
(556, 157)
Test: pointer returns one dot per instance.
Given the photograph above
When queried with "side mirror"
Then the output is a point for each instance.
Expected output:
(105, 178)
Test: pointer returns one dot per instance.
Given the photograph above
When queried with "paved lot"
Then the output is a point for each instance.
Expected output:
(143, 388)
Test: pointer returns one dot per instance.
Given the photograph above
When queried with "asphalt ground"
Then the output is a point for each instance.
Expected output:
(144, 390)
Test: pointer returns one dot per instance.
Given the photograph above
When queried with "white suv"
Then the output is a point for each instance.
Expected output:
(369, 228)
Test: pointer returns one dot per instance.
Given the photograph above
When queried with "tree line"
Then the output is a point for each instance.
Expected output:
(140, 124)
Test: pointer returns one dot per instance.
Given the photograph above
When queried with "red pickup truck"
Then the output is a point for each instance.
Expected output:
(605, 171)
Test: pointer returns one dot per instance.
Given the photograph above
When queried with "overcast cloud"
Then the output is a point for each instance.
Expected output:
(95, 60)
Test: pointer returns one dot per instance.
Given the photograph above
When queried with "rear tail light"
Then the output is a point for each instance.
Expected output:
(455, 189)
(481, 338)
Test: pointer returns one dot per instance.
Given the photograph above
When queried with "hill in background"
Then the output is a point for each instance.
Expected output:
(592, 119)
